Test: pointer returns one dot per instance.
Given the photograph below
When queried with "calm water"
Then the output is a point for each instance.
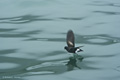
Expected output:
(33, 32)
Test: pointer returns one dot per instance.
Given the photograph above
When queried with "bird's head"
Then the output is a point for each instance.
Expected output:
(65, 47)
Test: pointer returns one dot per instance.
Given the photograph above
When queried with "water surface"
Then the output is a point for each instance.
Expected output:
(32, 39)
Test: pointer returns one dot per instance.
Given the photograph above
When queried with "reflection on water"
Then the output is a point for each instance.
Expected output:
(108, 12)
(22, 63)
(51, 66)
(32, 43)
(7, 51)
(28, 66)
(73, 63)
(72, 18)
(86, 39)
(32, 18)
(6, 30)
(107, 40)
(105, 3)
(23, 34)
(23, 19)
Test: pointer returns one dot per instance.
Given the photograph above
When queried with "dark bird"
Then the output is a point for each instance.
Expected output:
(71, 43)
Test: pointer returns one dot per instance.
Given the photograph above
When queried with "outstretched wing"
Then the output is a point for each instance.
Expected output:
(70, 39)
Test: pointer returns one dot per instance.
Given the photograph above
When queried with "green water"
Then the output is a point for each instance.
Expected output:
(32, 39)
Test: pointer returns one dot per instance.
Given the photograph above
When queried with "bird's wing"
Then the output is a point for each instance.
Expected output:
(70, 39)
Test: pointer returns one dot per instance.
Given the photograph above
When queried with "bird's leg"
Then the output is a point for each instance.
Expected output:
(76, 56)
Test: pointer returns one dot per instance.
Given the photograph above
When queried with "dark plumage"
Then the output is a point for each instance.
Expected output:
(71, 43)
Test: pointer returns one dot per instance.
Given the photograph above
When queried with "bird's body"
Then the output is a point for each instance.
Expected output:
(73, 49)
(71, 43)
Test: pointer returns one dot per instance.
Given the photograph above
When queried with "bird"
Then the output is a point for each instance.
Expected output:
(70, 40)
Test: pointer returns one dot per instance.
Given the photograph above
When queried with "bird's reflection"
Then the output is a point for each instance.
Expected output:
(73, 63)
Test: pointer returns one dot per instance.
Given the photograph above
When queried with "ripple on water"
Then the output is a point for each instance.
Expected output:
(117, 68)
(38, 73)
(98, 40)
(8, 65)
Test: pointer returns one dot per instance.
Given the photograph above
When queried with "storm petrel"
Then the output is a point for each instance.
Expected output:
(70, 40)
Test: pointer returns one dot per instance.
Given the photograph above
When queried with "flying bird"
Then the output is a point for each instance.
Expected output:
(70, 40)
